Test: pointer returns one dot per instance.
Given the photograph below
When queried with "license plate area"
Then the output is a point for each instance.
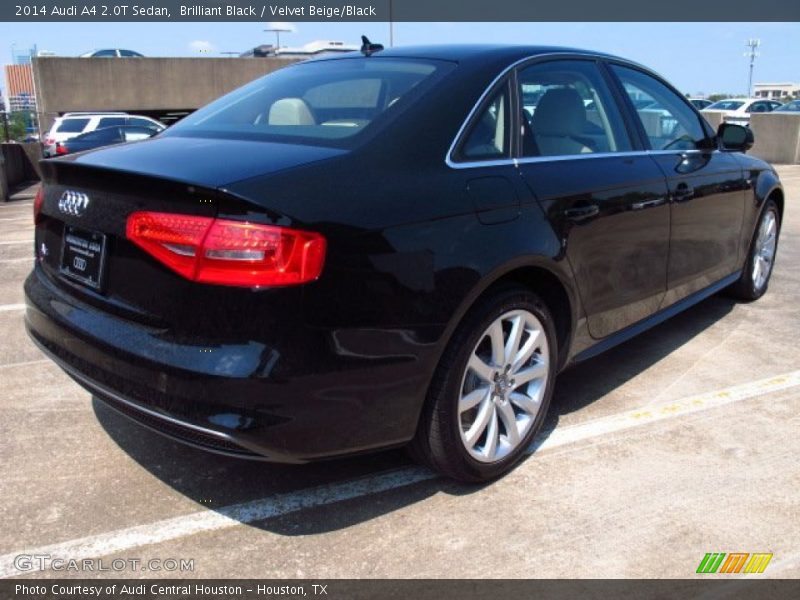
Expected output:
(83, 256)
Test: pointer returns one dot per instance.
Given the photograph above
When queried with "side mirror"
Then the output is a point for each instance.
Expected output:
(735, 137)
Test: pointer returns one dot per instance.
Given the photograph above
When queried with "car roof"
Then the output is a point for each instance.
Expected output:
(470, 52)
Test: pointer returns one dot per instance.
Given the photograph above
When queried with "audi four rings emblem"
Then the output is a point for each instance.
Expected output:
(73, 203)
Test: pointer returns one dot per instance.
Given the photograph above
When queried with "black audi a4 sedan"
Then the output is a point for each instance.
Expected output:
(401, 248)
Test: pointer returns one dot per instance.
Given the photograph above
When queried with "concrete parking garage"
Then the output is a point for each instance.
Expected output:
(680, 442)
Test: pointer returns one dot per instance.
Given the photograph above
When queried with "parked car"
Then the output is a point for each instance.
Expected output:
(112, 53)
(792, 106)
(108, 136)
(363, 252)
(73, 124)
(738, 110)
(700, 103)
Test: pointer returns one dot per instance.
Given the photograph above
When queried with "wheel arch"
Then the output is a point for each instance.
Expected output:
(543, 277)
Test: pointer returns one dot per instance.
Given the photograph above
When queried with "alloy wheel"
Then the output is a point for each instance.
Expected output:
(764, 249)
(503, 386)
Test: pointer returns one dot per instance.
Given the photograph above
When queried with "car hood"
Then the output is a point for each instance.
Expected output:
(203, 161)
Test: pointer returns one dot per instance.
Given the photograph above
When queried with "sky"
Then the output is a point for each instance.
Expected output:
(695, 57)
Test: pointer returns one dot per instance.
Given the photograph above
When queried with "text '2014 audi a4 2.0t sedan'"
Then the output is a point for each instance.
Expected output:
(389, 248)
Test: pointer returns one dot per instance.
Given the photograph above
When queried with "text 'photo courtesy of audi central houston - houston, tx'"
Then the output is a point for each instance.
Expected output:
(392, 248)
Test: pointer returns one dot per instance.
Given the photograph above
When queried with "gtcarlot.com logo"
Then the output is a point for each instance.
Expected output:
(734, 562)
(44, 562)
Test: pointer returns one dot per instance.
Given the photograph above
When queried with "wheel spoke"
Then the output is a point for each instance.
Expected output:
(473, 398)
(496, 337)
(480, 368)
(509, 422)
(485, 413)
(525, 353)
(757, 271)
(492, 435)
(526, 403)
(535, 371)
(514, 338)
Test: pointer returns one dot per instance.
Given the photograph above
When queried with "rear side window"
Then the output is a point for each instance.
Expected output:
(567, 109)
(668, 121)
(72, 125)
(325, 101)
(489, 135)
(110, 122)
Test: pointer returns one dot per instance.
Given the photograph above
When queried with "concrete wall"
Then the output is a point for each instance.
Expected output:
(777, 137)
(18, 163)
(131, 84)
(714, 118)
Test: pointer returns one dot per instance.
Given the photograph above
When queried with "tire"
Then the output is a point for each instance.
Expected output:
(507, 402)
(757, 271)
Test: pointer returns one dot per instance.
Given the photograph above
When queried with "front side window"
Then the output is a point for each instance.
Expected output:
(668, 121)
(489, 135)
(139, 122)
(726, 105)
(316, 102)
(567, 109)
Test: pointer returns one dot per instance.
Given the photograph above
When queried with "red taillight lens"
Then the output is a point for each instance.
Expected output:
(37, 204)
(224, 252)
(61, 149)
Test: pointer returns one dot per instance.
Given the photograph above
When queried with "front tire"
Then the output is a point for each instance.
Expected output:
(755, 277)
(492, 388)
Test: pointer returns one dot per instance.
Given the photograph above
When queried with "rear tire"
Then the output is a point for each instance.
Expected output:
(757, 271)
(491, 390)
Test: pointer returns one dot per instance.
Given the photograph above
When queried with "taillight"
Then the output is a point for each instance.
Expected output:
(225, 252)
(61, 149)
(37, 204)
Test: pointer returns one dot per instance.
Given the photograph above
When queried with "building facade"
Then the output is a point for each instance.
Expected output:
(19, 87)
(777, 91)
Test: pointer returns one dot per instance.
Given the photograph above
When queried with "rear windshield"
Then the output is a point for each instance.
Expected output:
(72, 125)
(324, 102)
(725, 105)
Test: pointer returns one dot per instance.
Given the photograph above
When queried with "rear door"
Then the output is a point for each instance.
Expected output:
(706, 186)
(605, 197)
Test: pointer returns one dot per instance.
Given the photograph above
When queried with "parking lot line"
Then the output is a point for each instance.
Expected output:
(7, 307)
(17, 260)
(282, 504)
(26, 363)
(16, 242)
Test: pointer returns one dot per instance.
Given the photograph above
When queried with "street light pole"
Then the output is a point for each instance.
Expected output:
(277, 31)
(752, 44)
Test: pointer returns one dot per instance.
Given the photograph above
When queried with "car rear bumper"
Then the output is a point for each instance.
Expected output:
(243, 399)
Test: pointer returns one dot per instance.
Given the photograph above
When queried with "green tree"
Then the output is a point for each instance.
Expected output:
(17, 123)
(718, 97)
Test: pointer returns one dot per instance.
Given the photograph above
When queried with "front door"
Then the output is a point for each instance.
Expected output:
(706, 186)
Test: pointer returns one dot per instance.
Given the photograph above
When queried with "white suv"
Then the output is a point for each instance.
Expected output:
(72, 124)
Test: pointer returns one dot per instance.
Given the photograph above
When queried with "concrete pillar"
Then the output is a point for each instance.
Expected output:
(777, 137)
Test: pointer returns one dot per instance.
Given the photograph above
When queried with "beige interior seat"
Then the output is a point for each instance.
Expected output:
(558, 123)
(290, 111)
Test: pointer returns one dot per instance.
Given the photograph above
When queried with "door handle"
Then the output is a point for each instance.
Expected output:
(648, 203)
(683, 193)
(578, 213)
